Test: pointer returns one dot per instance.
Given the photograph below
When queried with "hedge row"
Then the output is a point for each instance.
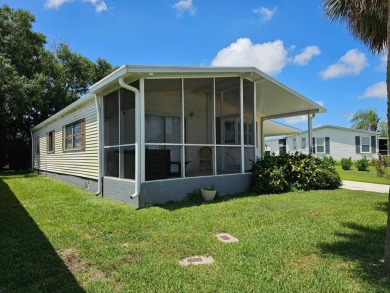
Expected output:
(277, 174)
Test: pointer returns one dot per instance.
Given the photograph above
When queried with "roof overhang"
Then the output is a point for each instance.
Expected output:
(273, 128)
(273, 99)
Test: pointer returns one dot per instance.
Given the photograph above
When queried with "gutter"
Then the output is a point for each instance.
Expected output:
(137, 137)
(32, 151)
(99, 144)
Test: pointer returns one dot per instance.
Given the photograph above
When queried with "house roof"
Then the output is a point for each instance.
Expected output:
(344, 128)
(273, 99)
(273, 128)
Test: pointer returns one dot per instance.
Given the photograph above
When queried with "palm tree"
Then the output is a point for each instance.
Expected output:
(366, 120)
(368, 21)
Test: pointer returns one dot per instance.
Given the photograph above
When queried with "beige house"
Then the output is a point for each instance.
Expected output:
(147, 134)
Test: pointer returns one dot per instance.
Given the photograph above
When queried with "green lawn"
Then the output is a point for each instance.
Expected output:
(369, 176)
(57, 238)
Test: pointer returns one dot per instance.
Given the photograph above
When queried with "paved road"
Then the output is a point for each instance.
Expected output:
(354, 185)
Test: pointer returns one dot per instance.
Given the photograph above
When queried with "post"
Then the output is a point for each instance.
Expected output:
(309, 132)
(261, 136)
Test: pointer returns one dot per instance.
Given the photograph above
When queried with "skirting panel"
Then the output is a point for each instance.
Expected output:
(119, 190)
(84, 183)
(161, 191)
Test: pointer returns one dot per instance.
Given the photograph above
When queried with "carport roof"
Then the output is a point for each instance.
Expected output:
(273, 99)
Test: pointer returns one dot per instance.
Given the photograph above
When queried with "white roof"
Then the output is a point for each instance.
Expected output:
(273, 128)
(344, 128)
(273, 99)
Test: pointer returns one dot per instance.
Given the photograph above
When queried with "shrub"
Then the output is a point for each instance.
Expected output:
(381, 166)
(327, 178)
(329, 161)
(346, 164)
(362, 164)
(276, 174)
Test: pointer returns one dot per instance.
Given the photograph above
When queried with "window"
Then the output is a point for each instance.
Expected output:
(294, 143)
(365, 144)
(303, 142)
(37, 151)
(74, 135)
(233, 132)
(320, 145)
(50, 141)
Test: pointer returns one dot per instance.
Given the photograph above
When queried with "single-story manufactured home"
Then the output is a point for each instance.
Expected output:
(335, 141)
(151, 134)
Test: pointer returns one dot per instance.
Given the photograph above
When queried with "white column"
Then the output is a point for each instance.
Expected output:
(183, 133)
(309, 132)
(242, 124)
(141, 148)
(261, 137)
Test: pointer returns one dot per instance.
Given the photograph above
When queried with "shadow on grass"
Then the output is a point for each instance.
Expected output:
(28, 261)
(195, 199)
(364, 246)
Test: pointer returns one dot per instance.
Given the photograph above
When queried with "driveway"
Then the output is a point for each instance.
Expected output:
(354, 185)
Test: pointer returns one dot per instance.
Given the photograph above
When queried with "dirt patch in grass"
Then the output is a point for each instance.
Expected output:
(71, 258)
(306, 262)
(96, 274)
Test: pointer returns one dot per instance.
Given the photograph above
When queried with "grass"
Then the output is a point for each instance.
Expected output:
(57, 238)
(369, 176)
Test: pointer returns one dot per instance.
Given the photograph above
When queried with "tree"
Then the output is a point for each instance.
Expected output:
(368, 21)
(382, 128)
(366, 120)
(35, 83)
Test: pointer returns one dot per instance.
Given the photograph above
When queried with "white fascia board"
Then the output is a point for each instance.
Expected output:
(64, 111)
(115, 75)
(345, 128)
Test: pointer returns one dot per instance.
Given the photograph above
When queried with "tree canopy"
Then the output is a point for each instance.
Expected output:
(35, 82)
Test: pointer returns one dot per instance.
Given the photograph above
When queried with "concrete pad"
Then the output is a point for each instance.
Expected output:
(226, 238)
(197, 260)
(354, 185)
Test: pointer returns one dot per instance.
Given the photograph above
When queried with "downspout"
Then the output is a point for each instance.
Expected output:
(99, 145)
(32, 151)
(137, 136)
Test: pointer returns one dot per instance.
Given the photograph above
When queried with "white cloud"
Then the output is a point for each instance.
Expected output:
(100, 5)
(352, 63)
(55, 4)
(378, 90)
(300, 119)
(306, 55)
(265, 13)
(184, 6)
(383, 65)
(269, 57)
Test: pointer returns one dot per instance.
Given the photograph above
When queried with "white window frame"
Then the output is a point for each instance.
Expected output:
(317, 145)
(237, 131)
(303, 143)
(361, 145)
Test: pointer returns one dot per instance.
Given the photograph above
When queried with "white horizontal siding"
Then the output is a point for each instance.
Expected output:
(342, 143)
(83, 163)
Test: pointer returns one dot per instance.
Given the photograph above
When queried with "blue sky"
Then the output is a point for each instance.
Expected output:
(295, 44)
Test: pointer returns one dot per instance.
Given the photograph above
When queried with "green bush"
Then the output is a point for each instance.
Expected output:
(276, 174)
(346, 164)
(329, 161)
(381, 166)
(362, 164)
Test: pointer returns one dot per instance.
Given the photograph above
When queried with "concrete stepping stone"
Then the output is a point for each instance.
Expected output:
(226, 238)
(197, 260)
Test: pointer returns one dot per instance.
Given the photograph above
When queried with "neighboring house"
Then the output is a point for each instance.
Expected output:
(338, 142)
(147, 134)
